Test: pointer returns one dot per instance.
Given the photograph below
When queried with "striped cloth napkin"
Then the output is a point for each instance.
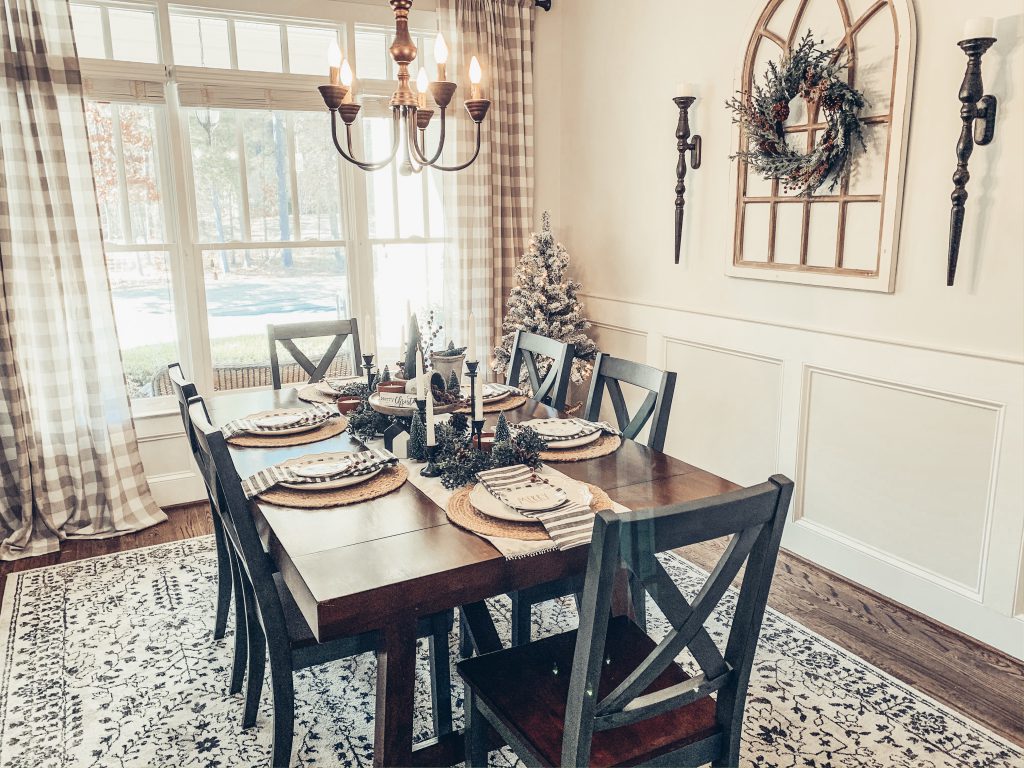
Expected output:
(362, 463)
(569, 525)
(584, 428)
(318, 413)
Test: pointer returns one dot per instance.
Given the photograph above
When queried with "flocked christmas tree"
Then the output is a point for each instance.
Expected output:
(544, 301)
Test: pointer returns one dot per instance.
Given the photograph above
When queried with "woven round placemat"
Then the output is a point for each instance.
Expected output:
(311, 394)
(601, 447)
(329, 428)
(465, 515)
(390, 479)
(509, 403)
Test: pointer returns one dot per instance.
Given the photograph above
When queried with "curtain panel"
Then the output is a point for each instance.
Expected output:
(69, 458)
(493, 212)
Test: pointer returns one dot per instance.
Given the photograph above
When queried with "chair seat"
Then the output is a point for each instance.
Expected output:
(519, 686)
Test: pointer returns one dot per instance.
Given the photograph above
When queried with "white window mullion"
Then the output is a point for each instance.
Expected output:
(289, 132)
(243, 171)
(122, 178)
(108, 45)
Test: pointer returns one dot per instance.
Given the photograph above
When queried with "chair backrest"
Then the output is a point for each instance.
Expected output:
(554, 386)
(754, 517)
(228, 502)
(285, 334)
(660, 385)
(184, 390)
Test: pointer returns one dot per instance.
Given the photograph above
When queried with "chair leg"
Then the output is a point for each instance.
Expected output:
(465, 641)
(238, 663)
(638, 596)
(476, 733)
(257, 663)
(440, 677)
(284, 711)
(522, 618)
(224, 578)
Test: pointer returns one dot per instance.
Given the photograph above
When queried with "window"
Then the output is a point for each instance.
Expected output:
(252, 217)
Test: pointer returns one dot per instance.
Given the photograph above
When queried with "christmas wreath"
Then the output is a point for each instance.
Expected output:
(818, 76)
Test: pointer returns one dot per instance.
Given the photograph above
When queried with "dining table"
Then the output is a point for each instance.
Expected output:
(379, 565)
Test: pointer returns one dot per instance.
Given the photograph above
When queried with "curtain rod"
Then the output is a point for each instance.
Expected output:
(545, 4)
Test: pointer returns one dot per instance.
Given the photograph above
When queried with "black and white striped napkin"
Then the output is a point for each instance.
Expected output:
(318, 413)
(363, 463)
(569, 525)
(583, 428)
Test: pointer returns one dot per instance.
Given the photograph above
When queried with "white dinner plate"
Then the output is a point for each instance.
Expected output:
(558, 445)
(552, 427)
(333, 485)
(267, 426)
(492, 394)
(482, 500)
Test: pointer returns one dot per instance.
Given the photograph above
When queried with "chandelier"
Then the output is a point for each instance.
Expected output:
(410, 116)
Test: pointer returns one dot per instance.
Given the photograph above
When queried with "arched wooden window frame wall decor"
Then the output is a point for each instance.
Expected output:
(847, 237)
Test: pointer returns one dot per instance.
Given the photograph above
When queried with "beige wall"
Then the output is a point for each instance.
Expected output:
(875, 403)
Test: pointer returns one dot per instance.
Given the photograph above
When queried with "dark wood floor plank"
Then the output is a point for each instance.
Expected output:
(911, 647)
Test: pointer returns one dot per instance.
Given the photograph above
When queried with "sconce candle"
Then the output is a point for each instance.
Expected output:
(975, 105)
(684, 145)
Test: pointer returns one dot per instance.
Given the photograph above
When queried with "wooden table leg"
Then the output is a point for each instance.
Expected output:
(396, 680)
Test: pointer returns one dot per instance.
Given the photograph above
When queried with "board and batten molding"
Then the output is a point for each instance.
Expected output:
(986, 391)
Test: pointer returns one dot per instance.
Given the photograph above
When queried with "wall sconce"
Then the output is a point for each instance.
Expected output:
(684, 145)
(976, 105)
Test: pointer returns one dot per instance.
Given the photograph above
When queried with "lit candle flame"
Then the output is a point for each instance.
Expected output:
(346, 74)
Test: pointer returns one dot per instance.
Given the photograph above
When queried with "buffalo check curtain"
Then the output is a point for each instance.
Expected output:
(69, 459)
(493, 213)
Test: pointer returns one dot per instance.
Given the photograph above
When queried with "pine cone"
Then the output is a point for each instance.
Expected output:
(780, 111)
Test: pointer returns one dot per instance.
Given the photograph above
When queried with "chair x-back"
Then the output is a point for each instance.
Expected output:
(657, 405)
(626, 700)
(553, 388)
(286, 333)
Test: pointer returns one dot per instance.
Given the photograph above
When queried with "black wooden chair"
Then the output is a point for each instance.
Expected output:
(607, 694)
(184, 391)
(609, 373)
(276, 628)
(553, 388)
(285, 335)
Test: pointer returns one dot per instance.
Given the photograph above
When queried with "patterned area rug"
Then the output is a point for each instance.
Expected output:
(111, 662)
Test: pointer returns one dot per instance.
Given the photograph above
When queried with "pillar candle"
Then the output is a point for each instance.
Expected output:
(981, 26)
(370, 346)
(431, 435)
(472, 338)
(419, 375)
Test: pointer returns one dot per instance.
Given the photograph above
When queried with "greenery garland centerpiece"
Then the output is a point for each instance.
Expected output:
(818, 76)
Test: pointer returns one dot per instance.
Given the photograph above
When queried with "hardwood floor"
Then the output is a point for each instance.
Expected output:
(968, 676)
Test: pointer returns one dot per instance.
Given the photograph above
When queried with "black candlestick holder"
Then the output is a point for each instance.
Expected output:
(684, 144)
(476, 434)
(472, 372)
(975, 105)
(368, 367)
(431, 470)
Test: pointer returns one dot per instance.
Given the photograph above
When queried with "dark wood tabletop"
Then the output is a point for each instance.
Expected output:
(379, 565)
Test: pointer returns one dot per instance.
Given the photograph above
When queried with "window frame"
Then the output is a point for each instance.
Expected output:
(121, 82)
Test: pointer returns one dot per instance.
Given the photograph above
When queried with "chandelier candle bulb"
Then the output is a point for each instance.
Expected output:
(475, 76)
(422, 83)
(441, 57)
(334, 62)
(347, 77)
(981, 26)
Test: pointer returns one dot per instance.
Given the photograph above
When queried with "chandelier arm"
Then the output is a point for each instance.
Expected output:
(440, 145)
(364, 166)
(476, 153)
(411, 150)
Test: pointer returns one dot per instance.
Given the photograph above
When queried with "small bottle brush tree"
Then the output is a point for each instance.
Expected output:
(385, 375)
(417, 439)
(545, 301)
(501, 429)
(454, 387)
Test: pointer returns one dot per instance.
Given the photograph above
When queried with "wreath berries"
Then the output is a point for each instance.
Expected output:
(818, 76)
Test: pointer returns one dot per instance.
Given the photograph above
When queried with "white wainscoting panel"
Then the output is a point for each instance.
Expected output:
(725, 416)
(907, 459)
(906, 473)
